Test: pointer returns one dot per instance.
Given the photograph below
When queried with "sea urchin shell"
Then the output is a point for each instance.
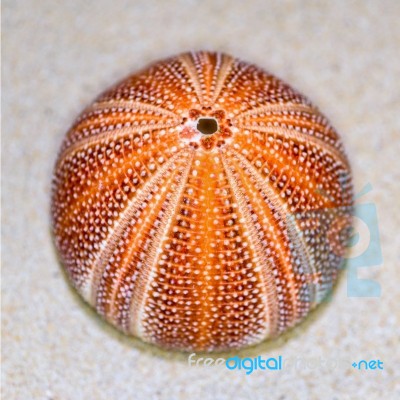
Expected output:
(200, 204)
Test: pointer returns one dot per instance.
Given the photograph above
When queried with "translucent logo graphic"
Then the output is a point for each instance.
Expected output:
(346, 236)
(365, 248)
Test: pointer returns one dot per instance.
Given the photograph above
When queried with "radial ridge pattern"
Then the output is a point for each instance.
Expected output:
(202, 204)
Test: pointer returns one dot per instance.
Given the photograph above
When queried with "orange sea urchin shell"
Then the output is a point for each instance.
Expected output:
(200, 203)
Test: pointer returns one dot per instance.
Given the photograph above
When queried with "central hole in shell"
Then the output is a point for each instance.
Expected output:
(207, 126)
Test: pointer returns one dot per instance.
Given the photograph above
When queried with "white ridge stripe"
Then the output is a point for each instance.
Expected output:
(127, 259)
(108, 245)
(293, 134)
(113, 135)
(265, 275)
(223, 72)
(130, 104)
(282, 209)
(191, 70)
(279, 107)
(137, 313)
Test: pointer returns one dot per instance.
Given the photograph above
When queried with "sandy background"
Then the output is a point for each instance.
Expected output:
(58, 55)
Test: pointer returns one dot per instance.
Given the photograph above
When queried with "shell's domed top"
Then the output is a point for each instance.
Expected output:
(202, 204)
